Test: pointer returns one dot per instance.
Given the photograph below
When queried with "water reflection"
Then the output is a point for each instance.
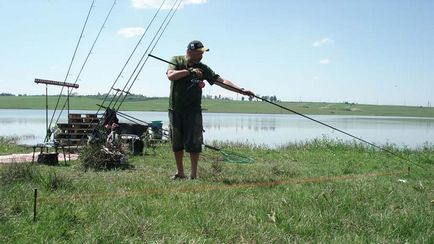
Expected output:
(271, 130)
(237, 122)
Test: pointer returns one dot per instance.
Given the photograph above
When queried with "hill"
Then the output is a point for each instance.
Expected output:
(219, 106)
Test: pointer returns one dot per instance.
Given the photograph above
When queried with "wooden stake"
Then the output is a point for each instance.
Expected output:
(34, 205)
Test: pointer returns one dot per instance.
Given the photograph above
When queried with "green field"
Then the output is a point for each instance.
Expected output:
(321, 191)
(222, 106)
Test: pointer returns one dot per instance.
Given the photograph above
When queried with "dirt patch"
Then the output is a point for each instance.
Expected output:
(28, 157)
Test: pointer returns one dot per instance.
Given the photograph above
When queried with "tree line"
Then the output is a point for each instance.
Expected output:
(138, 97)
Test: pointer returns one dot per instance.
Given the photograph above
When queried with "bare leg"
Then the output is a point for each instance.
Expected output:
(179, 165)
(194, 158)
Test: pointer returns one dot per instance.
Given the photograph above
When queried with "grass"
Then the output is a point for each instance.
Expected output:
(284, 197)
(9, 146)
(220, 106)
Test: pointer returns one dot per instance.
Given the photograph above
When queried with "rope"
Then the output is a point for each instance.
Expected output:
(195, 189)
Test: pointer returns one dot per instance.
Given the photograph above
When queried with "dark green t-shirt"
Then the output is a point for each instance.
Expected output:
(185, 94)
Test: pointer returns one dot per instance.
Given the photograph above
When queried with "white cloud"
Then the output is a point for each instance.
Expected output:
(130, 32)
(322, 42)
(324, 61)
(157, 3)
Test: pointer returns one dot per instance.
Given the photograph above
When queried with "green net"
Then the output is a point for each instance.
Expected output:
(233, 157)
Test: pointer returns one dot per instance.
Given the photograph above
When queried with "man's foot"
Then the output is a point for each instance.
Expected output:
(178, 177)
(192, 177)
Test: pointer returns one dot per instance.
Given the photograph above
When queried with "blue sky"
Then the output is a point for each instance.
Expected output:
(375, 52)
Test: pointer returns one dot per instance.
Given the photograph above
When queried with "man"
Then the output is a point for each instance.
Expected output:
(185, 112)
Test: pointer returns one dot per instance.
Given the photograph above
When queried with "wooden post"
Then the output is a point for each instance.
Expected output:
(34, 205)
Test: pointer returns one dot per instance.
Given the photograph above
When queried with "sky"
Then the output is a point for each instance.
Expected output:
(370, 52)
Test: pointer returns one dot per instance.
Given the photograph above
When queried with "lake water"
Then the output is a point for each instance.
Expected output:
(264, 129)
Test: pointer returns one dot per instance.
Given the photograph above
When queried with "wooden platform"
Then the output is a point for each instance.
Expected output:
(76, 131)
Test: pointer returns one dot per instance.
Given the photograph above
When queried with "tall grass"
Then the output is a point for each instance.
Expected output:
(9, 145)
(320, 191)
(17, 172)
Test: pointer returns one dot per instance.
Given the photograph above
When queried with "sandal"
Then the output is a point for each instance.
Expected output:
(178, 177)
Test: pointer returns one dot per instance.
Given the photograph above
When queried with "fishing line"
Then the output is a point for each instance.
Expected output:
(47, 137)
(300, 114)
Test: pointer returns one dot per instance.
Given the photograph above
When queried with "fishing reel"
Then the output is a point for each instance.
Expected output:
(196, 80)
(199, 83)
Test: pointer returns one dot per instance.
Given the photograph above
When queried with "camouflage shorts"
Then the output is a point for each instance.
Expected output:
(186, 131)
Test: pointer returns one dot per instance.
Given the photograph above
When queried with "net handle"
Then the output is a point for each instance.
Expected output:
(211, 147)
(227, 155)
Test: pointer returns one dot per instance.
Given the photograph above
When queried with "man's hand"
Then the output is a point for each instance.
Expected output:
(196, 73)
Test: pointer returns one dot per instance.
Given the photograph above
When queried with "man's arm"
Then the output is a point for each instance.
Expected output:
(174, 75)
(228, 85)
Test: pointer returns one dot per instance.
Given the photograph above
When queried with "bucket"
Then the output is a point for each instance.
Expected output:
(48, 158)
(157, 129)
(137, 147)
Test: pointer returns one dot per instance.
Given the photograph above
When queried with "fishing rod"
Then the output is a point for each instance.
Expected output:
(47, 137)
(112, 88)
(133, 119)
(158, 34)
(241, 91)
(87, 57)
(124, 92)
(129, 58)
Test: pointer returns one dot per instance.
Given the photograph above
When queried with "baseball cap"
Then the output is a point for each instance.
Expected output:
(197, 45)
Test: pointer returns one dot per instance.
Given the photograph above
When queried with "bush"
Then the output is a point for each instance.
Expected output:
(99, 157)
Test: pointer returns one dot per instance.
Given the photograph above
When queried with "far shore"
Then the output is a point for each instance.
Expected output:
(221, 106)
